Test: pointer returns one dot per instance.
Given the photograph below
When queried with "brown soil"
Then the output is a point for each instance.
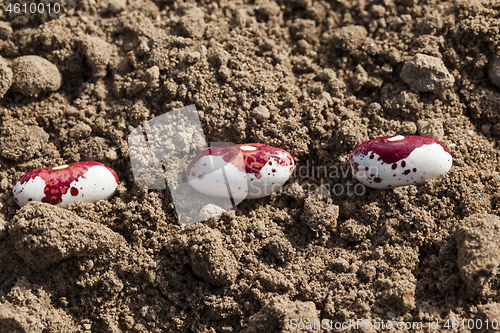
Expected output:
(312, 77)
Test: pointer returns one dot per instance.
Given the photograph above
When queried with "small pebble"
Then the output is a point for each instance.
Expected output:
(350, 37)
(193, 23)
(98, 53)
(62, 185)
(34, 75)
(116, 6)
(427, 73)
(5, 30)
(152, 77)
(254, 170)
(392, 161)
(261, 113)
(80, 131)
(432, 128)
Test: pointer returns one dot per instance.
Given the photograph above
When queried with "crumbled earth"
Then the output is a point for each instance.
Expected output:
(314, 78)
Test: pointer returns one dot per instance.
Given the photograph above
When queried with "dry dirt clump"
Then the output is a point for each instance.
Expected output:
(314, 78)
(34, 75)
(478, 249)
(5, 77)
(282, 315)
(210, 260)
(98, 54)
(44, 235)
(427, 73)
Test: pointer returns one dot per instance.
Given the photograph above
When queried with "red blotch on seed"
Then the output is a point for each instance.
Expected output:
(393, 151)
(73, 191)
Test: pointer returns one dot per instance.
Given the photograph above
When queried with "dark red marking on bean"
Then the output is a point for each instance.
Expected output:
(73, 191)
(393, 151)
(403, 164)
(407, 171)
(414, 169)
(394, 166)
(377, 180)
